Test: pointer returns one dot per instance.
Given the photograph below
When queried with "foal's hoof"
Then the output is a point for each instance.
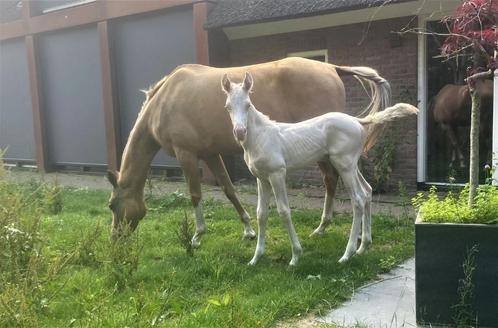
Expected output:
(293, 262)
(249, 234)
(363, 248)
(252, 262)
(317, 233)
(343, 259)
(196, 243)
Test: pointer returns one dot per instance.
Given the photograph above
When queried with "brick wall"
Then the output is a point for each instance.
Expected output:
(374, 45)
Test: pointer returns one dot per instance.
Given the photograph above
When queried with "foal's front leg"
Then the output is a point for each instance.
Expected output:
(264, 190)
(277, 181)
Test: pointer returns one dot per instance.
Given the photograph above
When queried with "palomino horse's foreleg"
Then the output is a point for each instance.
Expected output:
(350, 179)
(190, 166)
(330, 178)
(277, 181)
(264, 194)
(216, 165)
(366, 236)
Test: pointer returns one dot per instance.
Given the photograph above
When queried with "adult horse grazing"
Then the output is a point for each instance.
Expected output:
(451, 108)
(183, 114)
(272, 148)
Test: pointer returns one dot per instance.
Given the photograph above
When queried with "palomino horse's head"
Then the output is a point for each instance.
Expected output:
(127, 208)
(238, 103)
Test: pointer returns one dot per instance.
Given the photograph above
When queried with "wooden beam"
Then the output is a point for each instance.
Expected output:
(111, 113)
(83, 14)
(200, 12)
(38, 117)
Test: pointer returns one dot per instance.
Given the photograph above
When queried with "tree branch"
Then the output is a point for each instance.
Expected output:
(480, 75)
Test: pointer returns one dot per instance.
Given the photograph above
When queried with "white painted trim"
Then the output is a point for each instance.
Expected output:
(432, 9)
(495, 130)
(422, 102)
(67, 5)
(311, 53)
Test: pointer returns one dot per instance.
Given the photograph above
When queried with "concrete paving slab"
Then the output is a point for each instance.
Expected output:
(386, 303)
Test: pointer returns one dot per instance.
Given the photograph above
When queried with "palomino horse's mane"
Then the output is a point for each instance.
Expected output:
(152, 90)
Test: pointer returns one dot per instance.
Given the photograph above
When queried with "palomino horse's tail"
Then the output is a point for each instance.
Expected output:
(380, 91)
(389, 114)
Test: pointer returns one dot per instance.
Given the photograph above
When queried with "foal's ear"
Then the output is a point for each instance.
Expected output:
(248, 82)
(225, 83)
(112, 176)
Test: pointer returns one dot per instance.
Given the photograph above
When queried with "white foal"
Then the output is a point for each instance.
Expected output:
(272, 148)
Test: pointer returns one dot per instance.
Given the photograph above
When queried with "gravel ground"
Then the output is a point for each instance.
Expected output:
(306, 197)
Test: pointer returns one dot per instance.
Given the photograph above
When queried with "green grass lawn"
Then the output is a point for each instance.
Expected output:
(150, 281)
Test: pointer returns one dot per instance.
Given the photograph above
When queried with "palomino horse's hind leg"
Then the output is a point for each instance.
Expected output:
(330, 178)
(190, 166)
(366, 235)
(216, 165)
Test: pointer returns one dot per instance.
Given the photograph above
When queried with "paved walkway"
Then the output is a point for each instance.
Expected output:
(386, 303)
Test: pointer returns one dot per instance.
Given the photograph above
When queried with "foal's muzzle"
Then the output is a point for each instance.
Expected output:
(240, 132)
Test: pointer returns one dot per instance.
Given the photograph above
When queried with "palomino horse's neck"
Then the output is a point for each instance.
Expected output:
(137, 156)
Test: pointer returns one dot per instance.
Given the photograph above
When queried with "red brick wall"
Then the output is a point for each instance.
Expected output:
(374, 45)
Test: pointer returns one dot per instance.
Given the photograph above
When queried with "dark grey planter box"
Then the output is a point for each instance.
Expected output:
(440, 250)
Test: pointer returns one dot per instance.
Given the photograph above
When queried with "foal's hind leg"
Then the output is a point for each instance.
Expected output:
(330, 177)
(350, 179)
(216, 165)
(366, 236)
(190, 166)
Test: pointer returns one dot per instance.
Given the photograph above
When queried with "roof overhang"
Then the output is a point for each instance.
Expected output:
(429, 9)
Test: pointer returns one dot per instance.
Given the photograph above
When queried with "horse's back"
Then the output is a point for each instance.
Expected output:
(190, 106)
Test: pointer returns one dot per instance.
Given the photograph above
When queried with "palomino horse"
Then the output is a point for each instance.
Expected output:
(271, 149)
(451, 108)
(184, 114)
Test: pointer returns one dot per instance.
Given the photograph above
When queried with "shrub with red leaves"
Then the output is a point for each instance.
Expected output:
(473, 29)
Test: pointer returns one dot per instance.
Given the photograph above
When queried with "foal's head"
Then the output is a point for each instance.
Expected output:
(238, 103)
(127, 207)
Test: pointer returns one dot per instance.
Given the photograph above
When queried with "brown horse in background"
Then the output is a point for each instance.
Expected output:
(184, 115)
(451, 108)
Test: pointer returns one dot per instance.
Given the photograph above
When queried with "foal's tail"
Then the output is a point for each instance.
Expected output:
(389, 114)
(380, 91)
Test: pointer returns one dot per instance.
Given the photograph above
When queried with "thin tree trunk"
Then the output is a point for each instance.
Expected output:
(474, 143)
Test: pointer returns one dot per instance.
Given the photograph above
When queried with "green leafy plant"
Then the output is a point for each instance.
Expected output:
(454, 208)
